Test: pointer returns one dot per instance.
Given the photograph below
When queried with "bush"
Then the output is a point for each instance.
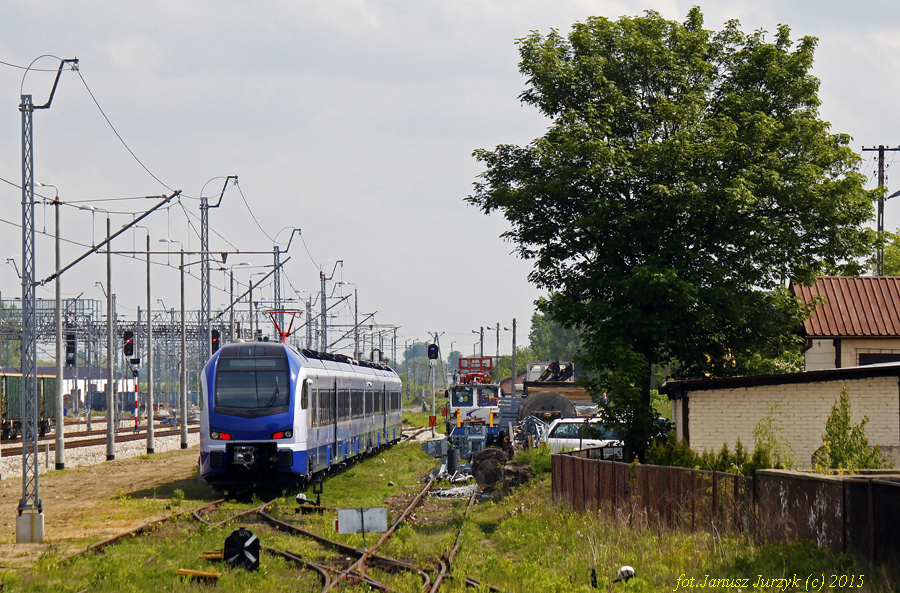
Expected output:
(845, 446)
(772, 451)
(537, 457)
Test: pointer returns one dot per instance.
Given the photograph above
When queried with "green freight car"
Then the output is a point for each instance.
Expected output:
(11, 404)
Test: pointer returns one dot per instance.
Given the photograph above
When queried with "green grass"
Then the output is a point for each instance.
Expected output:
(414, 416)
(522, 542)
(526, 539)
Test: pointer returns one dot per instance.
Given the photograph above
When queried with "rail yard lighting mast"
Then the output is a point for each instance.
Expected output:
(480, 333)
(182, 375)
(277, 253)
(323, 340)
(58, 323)
(30, 519)
(231, 296)
(252, 315)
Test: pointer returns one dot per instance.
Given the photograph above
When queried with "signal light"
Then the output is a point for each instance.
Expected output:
(128, 346)
(433, 352)
(215, 341)
(70, 350)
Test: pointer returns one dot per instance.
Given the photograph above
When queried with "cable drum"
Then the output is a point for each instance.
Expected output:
(546, 402)
(487, 466)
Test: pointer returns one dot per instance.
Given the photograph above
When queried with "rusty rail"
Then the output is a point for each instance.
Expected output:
(368, 553)
(382, 561)
(143, 528)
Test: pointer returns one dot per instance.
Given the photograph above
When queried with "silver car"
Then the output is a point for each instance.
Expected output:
(581, 433)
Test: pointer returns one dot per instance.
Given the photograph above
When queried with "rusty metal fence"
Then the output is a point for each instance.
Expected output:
(673, 497)
(858, 513)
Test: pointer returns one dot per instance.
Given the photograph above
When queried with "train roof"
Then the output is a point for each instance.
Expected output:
(267, 349)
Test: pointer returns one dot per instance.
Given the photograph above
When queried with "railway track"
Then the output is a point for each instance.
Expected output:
(87, 440)
(338, 564)
(51, 436)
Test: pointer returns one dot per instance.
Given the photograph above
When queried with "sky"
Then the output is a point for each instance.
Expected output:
(352, 120)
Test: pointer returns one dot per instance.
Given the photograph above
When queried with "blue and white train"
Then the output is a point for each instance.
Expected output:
(272, 416)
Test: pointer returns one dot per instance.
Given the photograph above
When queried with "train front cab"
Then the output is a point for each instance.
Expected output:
(250, 426)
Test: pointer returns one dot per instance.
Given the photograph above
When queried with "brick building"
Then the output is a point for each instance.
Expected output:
(711, 412)
(856, 323)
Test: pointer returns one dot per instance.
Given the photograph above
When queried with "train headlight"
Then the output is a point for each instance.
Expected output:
(219, 436)
(282, 434)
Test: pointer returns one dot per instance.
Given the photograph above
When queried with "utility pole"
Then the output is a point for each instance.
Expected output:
(230, 298)
(182, 378)
(323, 338)
(58, 322)
(110, 354)
(323, 335)
(480, 333)
(309, 321)
(355, 324)
(408, 371)
(881, 190)
(279, 315)
(30, 524)
(515, 372)
(151, 447)
(277, 253)
(204, 268)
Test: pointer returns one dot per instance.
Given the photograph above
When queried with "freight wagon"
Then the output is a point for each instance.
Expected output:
(11, 404)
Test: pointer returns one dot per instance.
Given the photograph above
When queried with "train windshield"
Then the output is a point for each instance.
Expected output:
(252, 387)
(470, 396)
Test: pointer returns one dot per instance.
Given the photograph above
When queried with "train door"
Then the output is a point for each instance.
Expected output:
(334, 416)
(384, 413)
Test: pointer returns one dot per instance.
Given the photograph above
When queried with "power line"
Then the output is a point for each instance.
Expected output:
(302, 240)
(253, 216)
(119, 136)
(27, 67)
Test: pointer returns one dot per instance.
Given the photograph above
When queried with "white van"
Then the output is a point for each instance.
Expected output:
(581, 433)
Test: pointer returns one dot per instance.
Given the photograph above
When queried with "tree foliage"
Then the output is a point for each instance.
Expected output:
(503, 368)
(550, 340)
(684, 178)
(891, 255)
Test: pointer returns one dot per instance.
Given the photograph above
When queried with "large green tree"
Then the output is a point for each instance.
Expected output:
(685, 176)
(550, 340)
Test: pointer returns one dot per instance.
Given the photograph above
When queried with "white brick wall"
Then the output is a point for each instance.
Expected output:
(723, 416)
(821, 354)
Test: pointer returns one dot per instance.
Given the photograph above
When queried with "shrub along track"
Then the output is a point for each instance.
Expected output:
(334, 571)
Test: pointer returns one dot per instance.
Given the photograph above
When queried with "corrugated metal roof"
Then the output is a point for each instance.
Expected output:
(865, 306)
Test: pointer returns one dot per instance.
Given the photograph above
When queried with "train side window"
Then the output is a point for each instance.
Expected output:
(344, 404)
(356, 403)
(304, 395)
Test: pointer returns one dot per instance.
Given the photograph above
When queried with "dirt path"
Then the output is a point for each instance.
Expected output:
(86, 504)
